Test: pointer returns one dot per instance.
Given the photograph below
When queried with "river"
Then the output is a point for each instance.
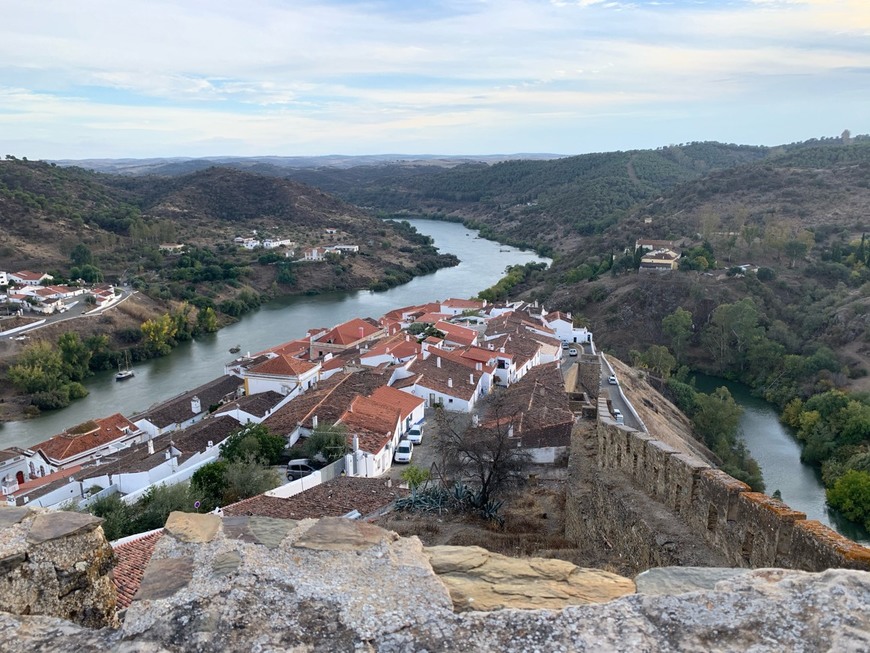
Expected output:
(482, 264)
(779, 454)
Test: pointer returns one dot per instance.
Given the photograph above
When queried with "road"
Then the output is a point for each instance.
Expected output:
(616, 399)
(81, 309)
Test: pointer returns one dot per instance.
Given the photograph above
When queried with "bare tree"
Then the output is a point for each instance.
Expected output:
(483, 452)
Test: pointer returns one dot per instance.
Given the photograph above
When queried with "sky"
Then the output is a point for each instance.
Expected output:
(158, 78)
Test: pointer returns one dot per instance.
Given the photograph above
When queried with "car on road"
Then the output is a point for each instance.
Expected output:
(617, 414)
(404, 452)
(612, 380)
(299, 468)
(572, 351)
(565, 344)
(415, 434)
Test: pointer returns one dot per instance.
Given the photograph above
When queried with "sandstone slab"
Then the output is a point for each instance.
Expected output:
(267, 531)
(48, 526)
(480, 580)
(340, 534)
(192, 527)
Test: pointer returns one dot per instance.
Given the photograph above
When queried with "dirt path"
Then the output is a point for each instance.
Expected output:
(630, 169)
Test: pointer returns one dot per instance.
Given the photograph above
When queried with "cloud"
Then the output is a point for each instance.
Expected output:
(317, 74)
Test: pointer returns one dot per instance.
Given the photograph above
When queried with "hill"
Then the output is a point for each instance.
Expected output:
(47, 210)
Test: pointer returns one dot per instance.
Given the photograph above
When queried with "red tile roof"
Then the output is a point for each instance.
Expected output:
(366, 414)
(131, 558)
(331, 499)
(459, 334)
(86, 436)
(29, 486)
(283, 365)
(349, 332)
(466, 304)
(406, 403)
(27, 275)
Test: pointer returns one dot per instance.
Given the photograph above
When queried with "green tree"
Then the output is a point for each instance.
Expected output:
(414, 476)
(326, 442)
(658, 359)
(716, 418)
(851, 496)
(206, 320)
(159, 334)
(81, 255)
(254, 441)
(795, 249)
(207, 485)
(40, 369)
(247, 478)
(76, 356)
(678, 327)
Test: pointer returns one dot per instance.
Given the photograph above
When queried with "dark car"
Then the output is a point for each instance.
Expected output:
(298, 468)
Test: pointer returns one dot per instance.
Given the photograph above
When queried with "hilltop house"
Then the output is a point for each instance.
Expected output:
(28, 278)
(83, 443)
(189, 407)
(659, 260)
(348, 335)
(280, 373)
(441, 380)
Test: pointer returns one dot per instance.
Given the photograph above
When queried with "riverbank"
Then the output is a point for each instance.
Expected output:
(778, 453)
(192, 363)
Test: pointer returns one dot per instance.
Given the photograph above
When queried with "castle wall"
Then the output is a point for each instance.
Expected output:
(749, 529)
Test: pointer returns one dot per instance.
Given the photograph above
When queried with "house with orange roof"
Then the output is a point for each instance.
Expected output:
(481, 361)
(396, 350)
(442, 381)
(459, 306)
(47, 491)
(350, 334)
(82, 443)
(456, 335)
(281, 373)
(373, 428)
(411, 408)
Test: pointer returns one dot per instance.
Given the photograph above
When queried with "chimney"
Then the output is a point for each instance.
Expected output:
(314, 422)
(167, 455)
(478, 367)
(195, 406)
(355, 442)
(449, 383)
(511, 430)
(501, 349)
(475, 420)
(150, 447)
(471, 379)
(210, 444)
(437, 361)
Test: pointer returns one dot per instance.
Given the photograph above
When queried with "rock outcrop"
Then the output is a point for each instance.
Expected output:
(262, 584)
(57, 564)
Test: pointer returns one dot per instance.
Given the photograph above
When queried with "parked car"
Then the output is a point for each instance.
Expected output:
(565, 344)
(612, 380)
(404, 452)
(617, 415)
(415, 434)
(298, 468)
(572, 351)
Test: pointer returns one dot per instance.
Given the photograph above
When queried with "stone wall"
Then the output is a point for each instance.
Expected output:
(748, 528)
(57, 564)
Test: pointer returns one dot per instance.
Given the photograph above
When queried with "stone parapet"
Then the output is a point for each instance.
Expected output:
(749, 528)
(57, 564)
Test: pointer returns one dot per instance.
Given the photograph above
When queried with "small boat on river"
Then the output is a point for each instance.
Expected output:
(236, 349)
(125, 372)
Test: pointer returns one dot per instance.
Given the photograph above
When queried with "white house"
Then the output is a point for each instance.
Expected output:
(189, 407)
(4, 279)
(439, 380)
(28, 278)
(563, 326)
(281, 373)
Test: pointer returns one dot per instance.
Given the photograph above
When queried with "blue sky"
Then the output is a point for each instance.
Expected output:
(103, 78)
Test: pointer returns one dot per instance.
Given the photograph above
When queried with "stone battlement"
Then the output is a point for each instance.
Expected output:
(749, 528)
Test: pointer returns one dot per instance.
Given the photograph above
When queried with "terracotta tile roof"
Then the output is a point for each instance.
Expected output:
(350, 332)
(406, 403)
(429, 375)
(282, 365)
(296, 348)
(540, 408)
(397, 346)
(479, 354)
(465, 304)
(327, 401)
(257, 405)
(459, 334)
(11, 452)
(36, 483)
(557, 315)
(432, 318)
(467, 361)
(331, 499)
(369, 415)
(177, 409)
(86, 436)
(27, 275)
(186, 443)
(131, 559)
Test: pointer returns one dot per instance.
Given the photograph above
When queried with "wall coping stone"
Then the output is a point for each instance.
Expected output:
(47, 526)
(10, 516)
(192, 527)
